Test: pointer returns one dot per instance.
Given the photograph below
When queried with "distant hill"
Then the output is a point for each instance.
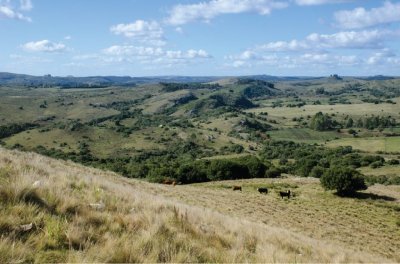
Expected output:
(92, 81)
(66, 82)
(377, 78)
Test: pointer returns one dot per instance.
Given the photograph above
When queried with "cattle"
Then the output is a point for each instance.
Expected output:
(283, 194)
(169, 182)
(262, 190)
(237, 188)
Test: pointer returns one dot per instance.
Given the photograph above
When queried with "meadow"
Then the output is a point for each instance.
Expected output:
(102, 199)
(57, 211)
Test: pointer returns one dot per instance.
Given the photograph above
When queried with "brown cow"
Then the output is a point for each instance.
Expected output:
(169, 182)
(237, 188)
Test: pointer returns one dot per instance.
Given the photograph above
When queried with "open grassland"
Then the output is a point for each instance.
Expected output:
(305, 135)
(381, 171)
(55, 211)
(370, 222)
(64, 104)
(372, 144)
(340, 110)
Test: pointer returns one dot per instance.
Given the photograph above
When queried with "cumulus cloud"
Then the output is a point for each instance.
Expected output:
(361, 18)
(320, 2)
(352, 39)
(205, 11)
(147, 55)
(44, 46)
(382, 57)
(366, 39)
(142, 31)
(300, 61)
(130, 50)
(9, 9)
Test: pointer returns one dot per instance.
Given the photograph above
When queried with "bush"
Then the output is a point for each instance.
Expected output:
(344, 180)
(317, 172)
(393, 162)
(273, 173)
(227, 170)
(376, 164)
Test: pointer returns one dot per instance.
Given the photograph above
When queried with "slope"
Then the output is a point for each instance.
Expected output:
(57, 211)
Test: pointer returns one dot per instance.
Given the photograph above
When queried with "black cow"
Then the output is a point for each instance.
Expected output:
(283, 194)
(262, 190)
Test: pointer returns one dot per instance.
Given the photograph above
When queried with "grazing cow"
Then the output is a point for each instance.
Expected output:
(283, 194)
(169, 182)
(237, 188)
(262, 190)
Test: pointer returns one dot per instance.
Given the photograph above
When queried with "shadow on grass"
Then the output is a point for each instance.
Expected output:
(372, 196)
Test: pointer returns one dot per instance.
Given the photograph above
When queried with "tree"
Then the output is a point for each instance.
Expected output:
(345, 181)
(321, 122)
(349, 123)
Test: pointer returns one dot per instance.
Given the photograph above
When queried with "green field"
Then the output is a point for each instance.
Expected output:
(305, 135)
(374, 144)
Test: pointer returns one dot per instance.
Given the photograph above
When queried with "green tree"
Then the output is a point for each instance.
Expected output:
(345, 181)
(349, 123)
(321, 122)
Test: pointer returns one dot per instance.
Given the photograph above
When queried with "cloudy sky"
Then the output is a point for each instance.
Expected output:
(200, 37)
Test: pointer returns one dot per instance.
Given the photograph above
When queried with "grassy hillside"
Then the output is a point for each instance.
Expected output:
(58, 211)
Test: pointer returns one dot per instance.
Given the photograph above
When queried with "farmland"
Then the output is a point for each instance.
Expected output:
(207, 137)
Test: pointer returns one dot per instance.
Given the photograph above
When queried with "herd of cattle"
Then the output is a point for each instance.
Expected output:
(264, 190)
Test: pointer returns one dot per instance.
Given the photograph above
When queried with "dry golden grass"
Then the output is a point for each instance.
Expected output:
(81, 214)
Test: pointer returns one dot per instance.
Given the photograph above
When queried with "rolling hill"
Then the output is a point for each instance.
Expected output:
(59, 211)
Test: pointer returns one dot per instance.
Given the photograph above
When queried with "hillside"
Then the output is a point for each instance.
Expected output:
(59, 211)
(91, 81)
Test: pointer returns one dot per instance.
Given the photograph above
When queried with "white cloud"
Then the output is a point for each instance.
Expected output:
(360, 18)
(278, 46)
(150, 33)
(26, 5)
(44, 46)
(382, 57)
(352, 39)
(320, 2)
(147, 56)
(129, 50)
(8, 9)
(366, 39)
(205, 11)
(10, 13)
(299, 61)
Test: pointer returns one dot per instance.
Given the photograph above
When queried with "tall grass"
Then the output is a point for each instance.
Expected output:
(79, 214)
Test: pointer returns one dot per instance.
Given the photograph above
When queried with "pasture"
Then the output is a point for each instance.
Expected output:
(286, 114)
(371, 221)
(369, 144)
(305, 135)
(102, 217)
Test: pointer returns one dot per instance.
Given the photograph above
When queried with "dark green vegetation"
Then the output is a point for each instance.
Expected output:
(200, 131)
(345, 181)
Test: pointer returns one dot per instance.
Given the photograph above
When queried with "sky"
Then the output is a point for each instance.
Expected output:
(200, 37)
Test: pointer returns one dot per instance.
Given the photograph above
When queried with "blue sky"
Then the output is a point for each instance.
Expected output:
(200, 37)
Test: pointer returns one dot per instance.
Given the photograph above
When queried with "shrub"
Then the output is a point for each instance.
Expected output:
(273, 173)
(376, 164)
(345, 181)
(393, 162)
(317, 172)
